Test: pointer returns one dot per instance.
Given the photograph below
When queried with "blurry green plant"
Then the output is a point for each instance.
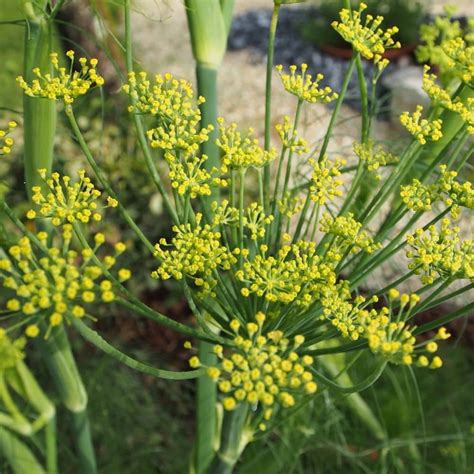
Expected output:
(279, 285)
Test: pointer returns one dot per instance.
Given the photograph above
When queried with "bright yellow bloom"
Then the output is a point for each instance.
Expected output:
(421, 129)
(366, 37)
(304, 87)
(64, 84)
(240, 150)
(66, 202)
(374, 156)
(53, 283)
(11, 352)
(325, 180)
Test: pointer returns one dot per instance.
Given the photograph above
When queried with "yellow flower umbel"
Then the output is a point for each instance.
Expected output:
(419, 197)
(349, 236)
(366, 37)
(289, 137)
(295, 274)
(171, 103)
(304, 87)
(56, 283)
(374, 156)
(461, 59)
(67, 202)
(441, 253)
(189, 176)
(421, 129)
(255, 221)
(6, 142)
(263, 369)
(241, 150)
(325, 180)
(389, 335)
(440, 96)
(197, 254)
(65, 83)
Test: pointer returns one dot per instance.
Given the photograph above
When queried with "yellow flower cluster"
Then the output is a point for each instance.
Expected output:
(385, 330)
(304, 87)
(461, 59)
(421, 129)
(67, 202)
(374, 156)
(290, 205)
(264, 370)
(440, 253)
(289, 137)
(63, 83)
(349, 235)
(440, 96)
(171, 102)
(325, 180)
(419, 197)
(296, 274)
(241, 150)
(197, 253)
(11, 352)
(189, 176)
(255, 221)
(366, 37)
(224, 214)
(58, 283)
(6, 142)
(394, 339)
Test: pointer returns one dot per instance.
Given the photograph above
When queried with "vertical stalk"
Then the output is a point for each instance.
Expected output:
(268, 93)
(51, 451)
(39, 117)
(234, 439)
(209, 24)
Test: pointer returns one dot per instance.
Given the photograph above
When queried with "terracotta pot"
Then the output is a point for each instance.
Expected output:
(346, 53)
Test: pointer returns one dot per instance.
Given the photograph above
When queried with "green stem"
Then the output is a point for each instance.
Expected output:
(98, 341)
(268, 93)
(18, 455)
(137, 120)
(234, 439)
(82, 432)
(51, 450)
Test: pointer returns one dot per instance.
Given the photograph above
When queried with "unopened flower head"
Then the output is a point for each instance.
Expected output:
(64, 201)
(290, 205)
(264, 369)
(421, 129)
(325, 180)
(64, 83)
(240, 150)
(55, 283)
(304, 86)
(255, 221)
(366, 36)
(6, 141)
(196, 253)
(172, 103)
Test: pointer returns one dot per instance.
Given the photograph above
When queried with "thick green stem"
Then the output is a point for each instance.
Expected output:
(18, 455)
(85, 448)
(234, 439)
(39, 115)
(268, 93)
(51, 449)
